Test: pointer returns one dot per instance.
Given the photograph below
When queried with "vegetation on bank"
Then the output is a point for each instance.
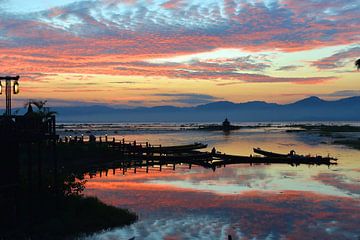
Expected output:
(339, 133)
(53, 207)
(353, 143)
(61, 217)
(322, 128)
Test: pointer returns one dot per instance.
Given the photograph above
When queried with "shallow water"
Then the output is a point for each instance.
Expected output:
(245, 201)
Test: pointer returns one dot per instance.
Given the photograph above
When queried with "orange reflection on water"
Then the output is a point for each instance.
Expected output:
(256, 213)
(262, 201)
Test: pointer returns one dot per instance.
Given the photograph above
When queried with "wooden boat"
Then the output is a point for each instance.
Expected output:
(268, 154)
(171, 149)
(293, 156)
(185, 157)
(274, 159)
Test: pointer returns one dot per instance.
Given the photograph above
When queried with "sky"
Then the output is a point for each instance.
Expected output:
(177, 52)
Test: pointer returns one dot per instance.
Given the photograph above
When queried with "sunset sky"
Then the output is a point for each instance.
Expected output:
(159, 52)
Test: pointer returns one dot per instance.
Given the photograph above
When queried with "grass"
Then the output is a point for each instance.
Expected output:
(332, 131)
(48, 217)
(78, 215)
(327, 128)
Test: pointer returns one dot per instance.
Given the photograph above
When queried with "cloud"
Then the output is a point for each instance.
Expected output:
(188, 98)
(30, 76)
(178, 99)
(150, 27)
(339, 59)
(213, 69)
(288, 68)
(117, 37)
(344, 93)
(55, 102)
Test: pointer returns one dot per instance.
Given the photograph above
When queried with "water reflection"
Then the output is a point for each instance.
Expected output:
(259, 201)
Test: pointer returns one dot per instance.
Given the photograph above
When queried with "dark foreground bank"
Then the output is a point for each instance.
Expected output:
(49, 217)
(44, 204)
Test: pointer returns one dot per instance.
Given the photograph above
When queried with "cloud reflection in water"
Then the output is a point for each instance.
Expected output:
(262, 201)
(175, 211)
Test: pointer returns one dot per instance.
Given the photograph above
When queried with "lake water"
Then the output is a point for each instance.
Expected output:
(245, 201)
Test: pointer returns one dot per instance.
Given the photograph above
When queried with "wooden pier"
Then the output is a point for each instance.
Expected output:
(133, 155)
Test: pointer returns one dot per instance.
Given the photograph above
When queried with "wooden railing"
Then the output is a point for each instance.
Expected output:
(31, 125)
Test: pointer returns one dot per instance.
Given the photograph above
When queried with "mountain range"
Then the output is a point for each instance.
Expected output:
(308, 109)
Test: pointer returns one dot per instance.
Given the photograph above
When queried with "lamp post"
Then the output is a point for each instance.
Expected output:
(8, 90)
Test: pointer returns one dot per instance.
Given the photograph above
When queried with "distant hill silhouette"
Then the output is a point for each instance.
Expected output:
(308, 109)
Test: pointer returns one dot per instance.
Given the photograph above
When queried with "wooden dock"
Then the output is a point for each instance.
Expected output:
(133, 155)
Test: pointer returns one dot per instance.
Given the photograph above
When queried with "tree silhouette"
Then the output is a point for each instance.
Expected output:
(357, 64)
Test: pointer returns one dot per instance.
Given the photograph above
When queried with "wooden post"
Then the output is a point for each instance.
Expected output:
(174, 167)
(189, 165)
(160, 166)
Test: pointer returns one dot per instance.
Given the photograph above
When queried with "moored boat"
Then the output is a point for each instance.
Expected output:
(179, 148)
(293, 156)
(268, 154)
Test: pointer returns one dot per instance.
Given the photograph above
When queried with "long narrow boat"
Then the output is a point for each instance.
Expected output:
(268, 154)
(192, 156)
(295, 160)
(292, 155)
(171, 149)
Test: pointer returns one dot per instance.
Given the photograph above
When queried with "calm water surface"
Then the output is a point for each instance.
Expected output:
(248, 202)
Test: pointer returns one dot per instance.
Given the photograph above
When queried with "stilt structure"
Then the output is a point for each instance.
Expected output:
(24, 141)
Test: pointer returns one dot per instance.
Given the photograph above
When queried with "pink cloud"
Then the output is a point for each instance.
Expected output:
(102, 44)
(338, 59)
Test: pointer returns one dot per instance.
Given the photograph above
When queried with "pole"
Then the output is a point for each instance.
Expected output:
(8, 97)
(8, 90)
